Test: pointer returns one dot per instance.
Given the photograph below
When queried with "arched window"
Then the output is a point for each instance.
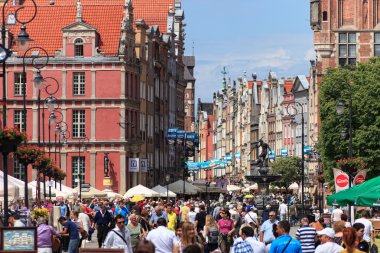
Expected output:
(78, 47)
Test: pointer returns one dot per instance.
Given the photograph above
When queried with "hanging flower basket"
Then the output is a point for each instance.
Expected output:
(351, 165)
(10, 138)
(29, 154)
(42, 164)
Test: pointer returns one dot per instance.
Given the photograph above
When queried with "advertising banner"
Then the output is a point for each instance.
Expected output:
(144, 165)
(341, 180)
(189, 144)
(284, 152)
(134, 165)
(360, 177)
(172, 136)
(181, 137)
(271, 155)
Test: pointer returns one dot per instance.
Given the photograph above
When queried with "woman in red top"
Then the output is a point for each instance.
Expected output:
(226, 231)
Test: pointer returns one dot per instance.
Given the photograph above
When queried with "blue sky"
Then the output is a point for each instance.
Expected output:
(247, 35)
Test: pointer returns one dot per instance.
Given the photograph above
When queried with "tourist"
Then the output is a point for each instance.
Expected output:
(336, 214)
(156, 214)
(318, 225)
(266, 213)
(338, 227)
(200, 218)
(14, 219)
(192, 214)
(145, 246)
(368, 229)
(44, 236)
(102, 220)
(172, 217)
(247, 234)
(163, 238)
(188, 237)
(123, 211)
(285, 243)
(251, 217)
(178, 231)
(326, 237)
(266, 230)
(344, 218)
(361, 243)
(193, 248)
(71, 229)
(226, 231)
(293, 213)
(282, 210)
(350, 239)
(307, 236)
(135, 230)
(211, 234)
(144, 221)
(119, 237)
(86, 225)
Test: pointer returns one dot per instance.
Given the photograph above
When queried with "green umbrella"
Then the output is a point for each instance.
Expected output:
(348, 196)
(369, 198)
(249, 196)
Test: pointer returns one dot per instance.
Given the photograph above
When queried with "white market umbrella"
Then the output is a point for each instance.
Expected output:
(162, 190)
(293, 186)
(251, 187)
(19, 183)
(111, 194)
(141, 191)
(65, 188)
(56, 192)
(233, 188)
(91, 193)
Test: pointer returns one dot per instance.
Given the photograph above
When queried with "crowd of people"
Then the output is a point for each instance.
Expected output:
(192, 226)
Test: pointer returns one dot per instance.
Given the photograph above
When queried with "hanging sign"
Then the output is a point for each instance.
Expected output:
(144, 165)
(341, 180)
(134, 165)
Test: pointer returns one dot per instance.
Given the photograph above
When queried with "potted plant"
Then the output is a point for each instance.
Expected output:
(10, 138)
(29, 154)
(351, 165)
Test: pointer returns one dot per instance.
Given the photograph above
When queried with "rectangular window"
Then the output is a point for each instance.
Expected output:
(79, 84)
(377, 44)
(347, 49)
(18, 119)
(18, 83)
(79, 123)
(78, 170)
(18, 170)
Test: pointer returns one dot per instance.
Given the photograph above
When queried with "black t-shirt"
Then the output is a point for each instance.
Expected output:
(201, 219)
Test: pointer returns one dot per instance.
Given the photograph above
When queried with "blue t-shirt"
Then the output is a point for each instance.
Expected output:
(63, 210)
(73, 230)
(279, 244)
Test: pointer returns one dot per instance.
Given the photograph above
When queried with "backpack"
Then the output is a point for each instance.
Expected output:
(213, 235)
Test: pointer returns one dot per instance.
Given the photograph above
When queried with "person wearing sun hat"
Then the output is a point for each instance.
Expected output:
(328, 245)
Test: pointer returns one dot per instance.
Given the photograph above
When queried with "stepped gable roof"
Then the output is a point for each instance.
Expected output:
(153, 12)
(46, 29)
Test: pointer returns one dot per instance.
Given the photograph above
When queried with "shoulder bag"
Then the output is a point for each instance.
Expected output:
(121, 237)
(286, 246)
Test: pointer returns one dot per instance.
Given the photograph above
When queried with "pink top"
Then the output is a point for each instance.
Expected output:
(225, 226)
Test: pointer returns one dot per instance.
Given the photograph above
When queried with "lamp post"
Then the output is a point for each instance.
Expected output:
(293, 113)
(167, 187)
(81, 143)
(340, 110)
(23, 39)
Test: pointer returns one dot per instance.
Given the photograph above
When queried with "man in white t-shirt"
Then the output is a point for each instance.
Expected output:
(336, 213)
(251, 216)
(327, 242)
(163, 238)
(368, 229)
(283, 210)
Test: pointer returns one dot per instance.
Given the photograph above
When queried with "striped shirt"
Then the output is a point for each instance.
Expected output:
(306, 235)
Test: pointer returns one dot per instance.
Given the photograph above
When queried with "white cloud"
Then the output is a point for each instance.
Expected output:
(310, 54)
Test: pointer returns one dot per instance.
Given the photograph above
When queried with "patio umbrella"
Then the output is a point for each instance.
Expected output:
(369, 198)
(249, 196)
(163, 192)
(233, 188)
(249, 188)
(350, 195)
(141, 190)
(137, 198)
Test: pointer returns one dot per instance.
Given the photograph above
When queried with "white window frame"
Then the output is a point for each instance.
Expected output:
(79, 123)
(18, 170)
(79, 83)
(19, 79)
(75, 162)
(18, 119)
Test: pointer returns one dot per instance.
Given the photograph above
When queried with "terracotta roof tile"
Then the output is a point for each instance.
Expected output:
(46, 29)
(154, 12)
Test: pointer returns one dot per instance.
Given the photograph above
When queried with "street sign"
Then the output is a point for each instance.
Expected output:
(134, 165)
(144, 165)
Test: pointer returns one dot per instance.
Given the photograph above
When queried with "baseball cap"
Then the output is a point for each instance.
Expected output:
(327, 231)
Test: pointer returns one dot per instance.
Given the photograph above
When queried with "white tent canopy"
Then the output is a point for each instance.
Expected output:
(65, 188)
(17, 182)
(251, 187)
(92, 193)
(111, 194)
(163, 192)
(56, 192)
(142, 191)
(177, 187)
(233, 188)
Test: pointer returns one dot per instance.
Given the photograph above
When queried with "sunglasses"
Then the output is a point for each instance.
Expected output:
(222, 213)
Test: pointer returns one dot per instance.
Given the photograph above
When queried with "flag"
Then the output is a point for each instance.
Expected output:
(360, 177)
(341, 180)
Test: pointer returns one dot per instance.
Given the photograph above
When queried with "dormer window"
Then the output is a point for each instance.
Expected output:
(78, 47)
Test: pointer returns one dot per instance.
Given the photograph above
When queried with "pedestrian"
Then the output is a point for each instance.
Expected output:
(226, 231)
(211, 234)
(326, 237)
(266, 213)
(266, 230)
(338, 227)
(307, 236)
(70, 229)
(293, 213)
(361, 243)
(86, 225)
(192, 214)
(62, 209)
(102, 220)
(318, 225)
(282, 210)
(119, 237)
(162, 238)
(135, 230)
(368, 228)
(285, 243)
(14, 219)
(123, 210)
(145, 246)
(193, 248)
(44, 236)
(247, 234)
(350, 240)
(144, 221)
(172, 217)
(189, 237)
(336, 214)
(200, 218)
(156, 214)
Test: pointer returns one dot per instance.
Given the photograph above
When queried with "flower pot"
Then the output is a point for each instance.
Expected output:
(7, 146)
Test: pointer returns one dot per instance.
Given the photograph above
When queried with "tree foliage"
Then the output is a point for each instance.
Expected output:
(289, 168)
(363, 82)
